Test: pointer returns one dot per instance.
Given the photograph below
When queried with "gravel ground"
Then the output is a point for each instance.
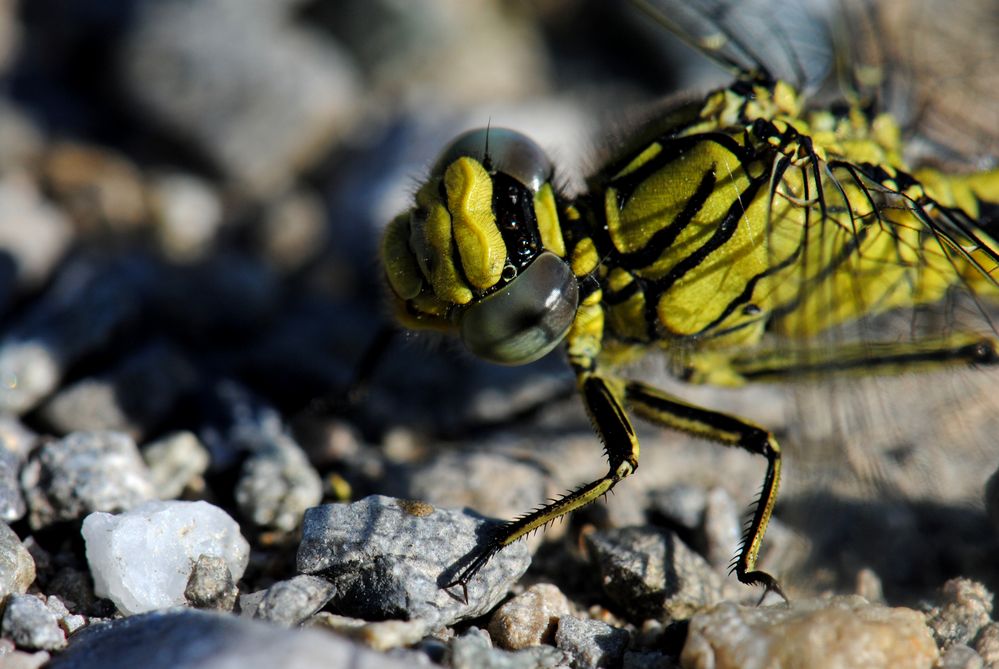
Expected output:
(191, 194)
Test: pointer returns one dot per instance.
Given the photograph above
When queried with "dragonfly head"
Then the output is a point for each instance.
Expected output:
(481, 253)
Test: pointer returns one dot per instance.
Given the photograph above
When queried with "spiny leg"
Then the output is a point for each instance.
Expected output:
(601, 397)
(668, 411)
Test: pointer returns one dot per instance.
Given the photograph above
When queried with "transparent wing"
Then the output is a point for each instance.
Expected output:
(789, 41)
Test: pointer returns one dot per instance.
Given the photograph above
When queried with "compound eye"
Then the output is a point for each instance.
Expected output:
(525, 319)
(500, 150)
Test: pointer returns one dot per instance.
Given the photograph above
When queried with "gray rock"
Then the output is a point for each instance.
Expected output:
(965, 608)
(277, 484)
(650, 573)
(133, 397)
(31, 624)
(87, 306)
(473, 651)
(176, 462)
(221, 74)
(84, 472)
(389, 558)
(210, 585)
(819, 634)
(17, 568)
(190, 639)
(12, 505)
(591, 643)
(291, 602)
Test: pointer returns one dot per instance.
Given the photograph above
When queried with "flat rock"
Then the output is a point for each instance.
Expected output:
(388, 558)
(819, 634)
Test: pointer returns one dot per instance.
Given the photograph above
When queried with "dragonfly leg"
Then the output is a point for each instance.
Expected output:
(602, 399)
(661, 408)
(866, 358)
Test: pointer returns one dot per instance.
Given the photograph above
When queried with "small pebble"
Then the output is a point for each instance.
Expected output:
(192, 639)
(17, 568)
(960, 656)
(293, 601)
(277, 484)
(16, 437)
(188, 215)
(389, 558)
(591, 643)
(650, 573)
(142, 559)
(81, 473)
(31, 624)
(530, 618)
(69, 622)
(293, 231)
(176, 462)
(210, 585)
(380, 635)
(965, 608)
(473, 650)
(987, 644)
(842, 632)
(21, 660)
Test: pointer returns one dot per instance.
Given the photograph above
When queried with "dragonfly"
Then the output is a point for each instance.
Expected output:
(749, 235)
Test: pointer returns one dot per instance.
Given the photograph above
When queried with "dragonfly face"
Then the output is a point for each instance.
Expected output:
(481, 253)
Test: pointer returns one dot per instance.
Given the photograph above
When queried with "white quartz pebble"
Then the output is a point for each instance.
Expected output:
(141, 559)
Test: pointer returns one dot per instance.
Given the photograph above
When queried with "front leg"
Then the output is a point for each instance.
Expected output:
(602, 399)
